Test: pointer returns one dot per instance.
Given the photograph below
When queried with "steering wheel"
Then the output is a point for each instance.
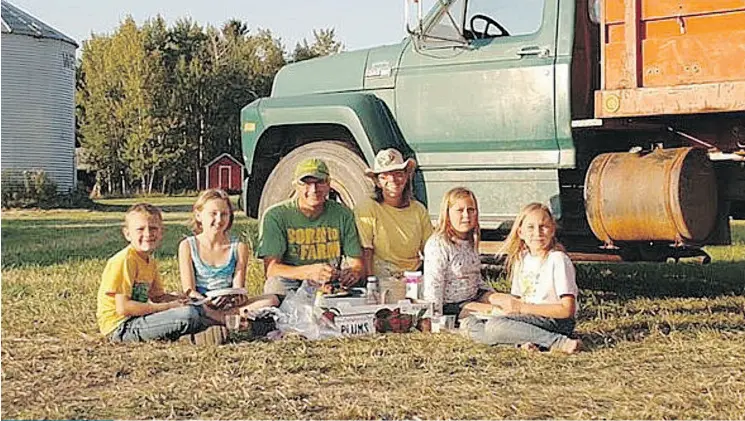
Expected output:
(485, 33)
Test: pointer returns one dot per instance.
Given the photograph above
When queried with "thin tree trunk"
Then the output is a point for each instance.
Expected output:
(152, 177)
(163, 186)
(200, 156)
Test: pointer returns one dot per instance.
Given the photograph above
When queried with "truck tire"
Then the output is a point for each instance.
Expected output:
(348, 181)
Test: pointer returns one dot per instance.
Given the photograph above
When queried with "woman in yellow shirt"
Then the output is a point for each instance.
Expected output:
(393, 227)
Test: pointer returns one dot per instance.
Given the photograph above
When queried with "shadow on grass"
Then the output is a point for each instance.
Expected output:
(58, 241)
(624, 281)
(43, 245)
(638, 331)
(650, 280)
(608, 289)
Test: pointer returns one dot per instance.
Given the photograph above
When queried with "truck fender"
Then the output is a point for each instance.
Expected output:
(271, 128)
(365, 116)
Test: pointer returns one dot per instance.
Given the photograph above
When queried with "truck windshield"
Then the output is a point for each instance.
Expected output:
(466, 20)
(496, 18)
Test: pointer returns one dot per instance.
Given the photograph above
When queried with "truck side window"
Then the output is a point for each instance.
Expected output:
(507, 18)
(449, 25)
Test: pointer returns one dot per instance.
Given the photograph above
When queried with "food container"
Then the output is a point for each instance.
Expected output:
(413, 280)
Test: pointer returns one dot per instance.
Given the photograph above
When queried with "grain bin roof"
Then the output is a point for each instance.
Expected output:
(16, 21)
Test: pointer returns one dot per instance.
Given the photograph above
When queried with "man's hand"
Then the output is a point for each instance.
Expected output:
(320, 273)
(348, 277)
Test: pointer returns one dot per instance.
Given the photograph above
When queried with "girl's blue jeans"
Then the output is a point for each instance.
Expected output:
(518, 329)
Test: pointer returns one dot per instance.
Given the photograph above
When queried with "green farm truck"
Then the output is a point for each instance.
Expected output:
(627, 117)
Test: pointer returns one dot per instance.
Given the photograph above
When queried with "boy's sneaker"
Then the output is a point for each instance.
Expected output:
(567, 346)
(260, 327)
(214, 335)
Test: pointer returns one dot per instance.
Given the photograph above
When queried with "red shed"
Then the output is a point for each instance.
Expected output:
(224, 172)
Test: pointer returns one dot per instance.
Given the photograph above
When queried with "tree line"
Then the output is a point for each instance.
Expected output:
(155, 103)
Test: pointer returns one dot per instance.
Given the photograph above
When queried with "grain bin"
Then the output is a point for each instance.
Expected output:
(38, 97)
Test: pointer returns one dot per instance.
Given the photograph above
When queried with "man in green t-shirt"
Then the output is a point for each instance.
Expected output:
(300, 238)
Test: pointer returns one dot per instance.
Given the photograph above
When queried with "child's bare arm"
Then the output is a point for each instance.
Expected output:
(562, 310)
(170, 296)
(239, 277)
(186, 270)
(125, 306)
(157, 294)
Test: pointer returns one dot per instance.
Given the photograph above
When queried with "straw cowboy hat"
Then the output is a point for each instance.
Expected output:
(390, 160)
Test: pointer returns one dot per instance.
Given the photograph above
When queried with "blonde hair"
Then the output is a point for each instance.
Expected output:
(202, 199)
(444, 226)
(143, 208)
(514, 247)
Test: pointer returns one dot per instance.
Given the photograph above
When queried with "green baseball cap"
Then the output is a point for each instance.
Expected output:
(311, 167)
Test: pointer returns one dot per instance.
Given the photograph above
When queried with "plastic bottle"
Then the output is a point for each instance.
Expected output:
(372, 293)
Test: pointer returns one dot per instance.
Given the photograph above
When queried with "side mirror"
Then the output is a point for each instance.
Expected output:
(417, 27)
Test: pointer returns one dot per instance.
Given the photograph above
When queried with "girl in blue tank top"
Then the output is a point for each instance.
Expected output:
(209, 277)
(211, 259)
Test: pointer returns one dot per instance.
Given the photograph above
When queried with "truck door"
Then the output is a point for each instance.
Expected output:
(476, 91)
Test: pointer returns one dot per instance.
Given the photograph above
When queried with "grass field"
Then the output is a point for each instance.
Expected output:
(664, 341)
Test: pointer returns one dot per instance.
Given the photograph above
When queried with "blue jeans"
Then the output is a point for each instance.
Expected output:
(170, 325)
(519, 329)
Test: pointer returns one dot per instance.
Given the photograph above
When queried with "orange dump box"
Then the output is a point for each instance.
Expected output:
(671, 57)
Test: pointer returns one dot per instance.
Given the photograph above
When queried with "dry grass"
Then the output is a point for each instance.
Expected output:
(665, 341)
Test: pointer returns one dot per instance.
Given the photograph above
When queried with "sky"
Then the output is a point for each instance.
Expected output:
(358, 24)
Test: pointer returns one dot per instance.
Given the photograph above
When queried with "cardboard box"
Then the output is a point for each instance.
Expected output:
(351, 317)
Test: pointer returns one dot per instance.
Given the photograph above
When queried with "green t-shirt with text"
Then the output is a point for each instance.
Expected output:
(298, 240)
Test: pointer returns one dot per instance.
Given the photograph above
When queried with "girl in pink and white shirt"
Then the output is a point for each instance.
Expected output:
(452, 266)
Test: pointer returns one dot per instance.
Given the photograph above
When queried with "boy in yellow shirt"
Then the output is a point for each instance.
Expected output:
(132, 306)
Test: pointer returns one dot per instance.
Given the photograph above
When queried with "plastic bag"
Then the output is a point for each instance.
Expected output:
(298, 314)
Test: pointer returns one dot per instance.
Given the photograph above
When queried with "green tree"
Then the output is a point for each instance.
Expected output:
(139, 72)
(97, 97)
(155, 103)
(324, 44)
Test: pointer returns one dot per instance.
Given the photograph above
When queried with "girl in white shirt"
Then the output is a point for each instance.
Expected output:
(541, 310)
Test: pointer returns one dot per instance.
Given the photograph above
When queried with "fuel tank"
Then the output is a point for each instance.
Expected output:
(663, 195)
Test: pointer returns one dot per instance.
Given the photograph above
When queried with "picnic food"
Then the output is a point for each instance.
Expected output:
(424, 325)
(394, 321)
